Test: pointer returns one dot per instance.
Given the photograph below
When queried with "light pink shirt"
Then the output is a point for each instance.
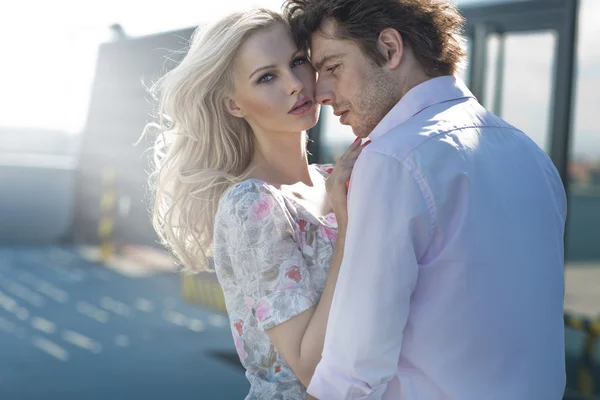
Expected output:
(452, 283)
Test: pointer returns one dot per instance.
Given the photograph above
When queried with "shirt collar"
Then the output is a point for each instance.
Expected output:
(433, 91)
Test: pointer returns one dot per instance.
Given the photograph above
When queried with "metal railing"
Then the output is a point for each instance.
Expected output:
(203, 289)
(585, 376)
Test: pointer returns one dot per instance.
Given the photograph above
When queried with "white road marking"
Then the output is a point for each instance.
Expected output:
(144, 305)
(53, 292)
(175, 318)
(217, 321)
(70, 273)
(82, 341)
(22, 313)
(196, 325)
(89, 310)
(115, 306)
(8, 303)
(43, 325)
(43, 287)
(122, 341)
(25, 294)
(51, 348)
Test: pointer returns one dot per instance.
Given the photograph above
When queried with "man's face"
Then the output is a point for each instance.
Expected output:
(360, 92)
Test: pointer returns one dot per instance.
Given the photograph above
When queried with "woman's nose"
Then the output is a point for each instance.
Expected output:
(295, 84)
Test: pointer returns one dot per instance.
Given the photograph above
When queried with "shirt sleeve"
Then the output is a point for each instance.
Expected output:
(255, 232)
(390, 227)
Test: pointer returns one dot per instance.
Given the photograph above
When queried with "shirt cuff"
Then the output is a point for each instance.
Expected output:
(330, 383)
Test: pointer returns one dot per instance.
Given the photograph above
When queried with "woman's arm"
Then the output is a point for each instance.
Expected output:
(300, 339)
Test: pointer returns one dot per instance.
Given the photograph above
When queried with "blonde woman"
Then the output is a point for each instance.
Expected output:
(234, 188)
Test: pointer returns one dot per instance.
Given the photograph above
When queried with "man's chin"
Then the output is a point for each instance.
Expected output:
(358, 132)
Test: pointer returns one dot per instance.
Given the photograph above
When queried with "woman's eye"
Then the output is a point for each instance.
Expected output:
(299, 61)
(265, 78)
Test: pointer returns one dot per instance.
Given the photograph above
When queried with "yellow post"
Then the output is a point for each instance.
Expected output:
(585, 376)
(106, 224)
(586, 379)
(202, 290)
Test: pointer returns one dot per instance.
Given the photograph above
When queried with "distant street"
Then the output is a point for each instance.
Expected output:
(71, 329)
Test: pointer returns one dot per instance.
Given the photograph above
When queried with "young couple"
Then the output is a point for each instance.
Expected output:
(437, 275)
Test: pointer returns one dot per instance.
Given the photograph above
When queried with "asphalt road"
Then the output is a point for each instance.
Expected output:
(73, 329)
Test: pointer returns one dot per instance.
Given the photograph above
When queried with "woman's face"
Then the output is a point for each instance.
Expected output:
(274, 84)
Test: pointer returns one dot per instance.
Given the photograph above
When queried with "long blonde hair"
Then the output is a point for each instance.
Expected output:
(201, 150)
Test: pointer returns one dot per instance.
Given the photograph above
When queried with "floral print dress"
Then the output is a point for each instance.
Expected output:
(271, 256)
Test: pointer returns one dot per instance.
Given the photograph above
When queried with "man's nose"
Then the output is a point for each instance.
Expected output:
(323, 93)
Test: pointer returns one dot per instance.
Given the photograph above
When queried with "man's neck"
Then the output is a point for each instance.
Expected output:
(411, 81)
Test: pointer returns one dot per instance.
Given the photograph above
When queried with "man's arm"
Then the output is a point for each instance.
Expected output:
(389, 229)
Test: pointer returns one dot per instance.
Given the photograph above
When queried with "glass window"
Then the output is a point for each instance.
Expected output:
(519, 81)
(583, 228)
(335, 137)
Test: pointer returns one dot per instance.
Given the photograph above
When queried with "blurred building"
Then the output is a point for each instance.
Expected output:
(120, 108)
(37, 180)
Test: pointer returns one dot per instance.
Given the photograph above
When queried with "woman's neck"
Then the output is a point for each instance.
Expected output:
(281, 159)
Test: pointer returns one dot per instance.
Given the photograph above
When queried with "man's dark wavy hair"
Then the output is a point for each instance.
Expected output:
(432, 29)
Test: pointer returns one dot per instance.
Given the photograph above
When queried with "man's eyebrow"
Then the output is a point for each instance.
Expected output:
(319, 64)
(296, 53)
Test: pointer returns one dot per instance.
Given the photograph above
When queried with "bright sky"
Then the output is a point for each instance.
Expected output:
(49, 52)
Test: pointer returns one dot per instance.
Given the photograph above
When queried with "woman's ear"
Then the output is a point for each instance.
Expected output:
(232, 108)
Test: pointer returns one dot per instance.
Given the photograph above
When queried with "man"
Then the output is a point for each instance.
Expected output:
(451, 285)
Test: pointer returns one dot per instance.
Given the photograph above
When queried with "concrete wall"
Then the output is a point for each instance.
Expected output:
(36, 197)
